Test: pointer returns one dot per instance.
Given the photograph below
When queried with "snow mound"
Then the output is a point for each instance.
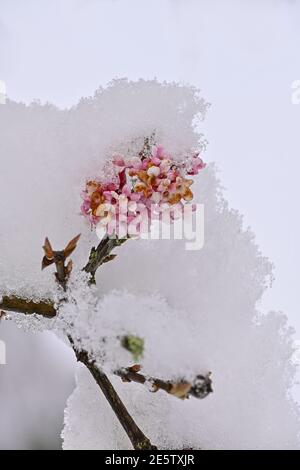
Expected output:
(197, 311)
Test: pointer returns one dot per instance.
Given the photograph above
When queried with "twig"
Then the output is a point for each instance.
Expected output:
(102, 254)
(59, 259)
(136, 436)
(13, 303)
(200, 388)
(45, 308)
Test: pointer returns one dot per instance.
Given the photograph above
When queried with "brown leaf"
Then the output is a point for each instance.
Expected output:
(71, 246)
(46, 262)
(109, 258)
(48, 250)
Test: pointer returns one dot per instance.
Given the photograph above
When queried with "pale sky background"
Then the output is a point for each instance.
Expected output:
(243, 54)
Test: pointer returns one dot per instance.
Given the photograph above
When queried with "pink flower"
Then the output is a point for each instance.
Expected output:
(118, 160)
(195, 165)
(158, 152)
(126, 190)
(135, 196)
(135, 163)
(146, 185)
(85, 207)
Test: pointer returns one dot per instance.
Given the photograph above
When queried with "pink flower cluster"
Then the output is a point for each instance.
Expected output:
(125, 204)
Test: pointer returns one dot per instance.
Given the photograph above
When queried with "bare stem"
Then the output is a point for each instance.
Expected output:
(17, 304)
(136, 436)
(102, 254)
(201, 387)
(98, 256)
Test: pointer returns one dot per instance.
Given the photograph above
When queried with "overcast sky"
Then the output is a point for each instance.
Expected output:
(243, 54)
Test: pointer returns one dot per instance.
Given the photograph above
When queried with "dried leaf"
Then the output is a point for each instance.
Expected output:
(71, 246)
(109, 258)
(46, 262)
(48, 250)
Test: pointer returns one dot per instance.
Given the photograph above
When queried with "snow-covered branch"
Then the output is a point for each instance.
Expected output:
(13, 303)
(136, 436)
(201, 387)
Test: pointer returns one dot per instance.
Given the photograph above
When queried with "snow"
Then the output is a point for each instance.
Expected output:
(215, 327)
(197, 311)
(57, 150)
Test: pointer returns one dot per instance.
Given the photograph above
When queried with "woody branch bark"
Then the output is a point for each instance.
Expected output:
(135, 434)
(45, 308)
(17, 304)
(201, 387)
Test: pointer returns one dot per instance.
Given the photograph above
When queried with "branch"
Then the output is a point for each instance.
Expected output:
(45, 308)
(136, 436)
(59, 259)
(200, 388)
(102, 254)
(98, 256)
(17, 304)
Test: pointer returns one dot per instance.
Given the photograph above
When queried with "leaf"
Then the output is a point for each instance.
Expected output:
(48, 250)
(71, 246)
(49, 254)
(46, 262)
(134, 345)
(108, 258)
